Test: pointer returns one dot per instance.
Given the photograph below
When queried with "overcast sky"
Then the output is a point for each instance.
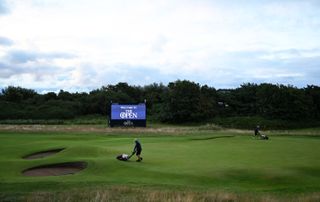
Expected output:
(80, 45)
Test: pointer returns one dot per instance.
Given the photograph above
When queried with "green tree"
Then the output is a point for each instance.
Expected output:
(17, 94)
(245, 99)
(182, 102)
(155, 97)
(207, 106)
(313, 92)
(283, 102)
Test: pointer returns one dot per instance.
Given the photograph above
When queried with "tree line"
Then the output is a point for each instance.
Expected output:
(178, 102)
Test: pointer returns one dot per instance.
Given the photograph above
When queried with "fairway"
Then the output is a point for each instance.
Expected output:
(225, 161)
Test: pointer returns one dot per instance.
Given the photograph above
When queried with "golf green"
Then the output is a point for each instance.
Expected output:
(217, 161)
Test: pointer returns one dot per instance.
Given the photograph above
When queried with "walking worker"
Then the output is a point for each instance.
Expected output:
(258, 134)
(137, 150)
(257, 131)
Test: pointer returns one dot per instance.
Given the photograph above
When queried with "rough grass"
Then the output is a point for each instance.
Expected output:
(143, 195)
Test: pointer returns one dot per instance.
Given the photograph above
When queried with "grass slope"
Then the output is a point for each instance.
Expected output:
(224, 162)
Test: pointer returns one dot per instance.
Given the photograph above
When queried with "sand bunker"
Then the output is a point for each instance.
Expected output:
(55, 169)
(43, 154)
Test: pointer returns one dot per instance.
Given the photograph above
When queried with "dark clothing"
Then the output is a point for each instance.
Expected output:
(256, 131)
(137, 148)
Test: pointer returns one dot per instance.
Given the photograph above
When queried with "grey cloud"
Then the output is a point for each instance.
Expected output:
(21, 56)
(93, 76)
(5, 41)
(242, 67)
(15, 63)
(231, 69)
(234, 69)
(5, 71)
(141, 75)
(19, 63)
(310, 66)
(38, 71)
(299, 69)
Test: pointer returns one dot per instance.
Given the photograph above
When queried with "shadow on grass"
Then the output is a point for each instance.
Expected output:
(213, 137)
(308, 172)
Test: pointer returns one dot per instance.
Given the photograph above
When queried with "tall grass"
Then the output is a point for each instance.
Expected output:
(81, 120)
(214, 124)
(143, 195)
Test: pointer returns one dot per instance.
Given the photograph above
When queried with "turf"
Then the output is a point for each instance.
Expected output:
(223, 161)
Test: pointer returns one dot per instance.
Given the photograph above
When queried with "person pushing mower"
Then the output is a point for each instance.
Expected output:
(258, 134)
(137, 150)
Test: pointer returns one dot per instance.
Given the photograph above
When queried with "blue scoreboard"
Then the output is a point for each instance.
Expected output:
(128, 115)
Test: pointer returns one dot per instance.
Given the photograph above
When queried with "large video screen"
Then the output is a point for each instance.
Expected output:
(128, 112)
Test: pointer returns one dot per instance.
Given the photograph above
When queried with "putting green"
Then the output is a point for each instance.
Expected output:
(217, 161)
